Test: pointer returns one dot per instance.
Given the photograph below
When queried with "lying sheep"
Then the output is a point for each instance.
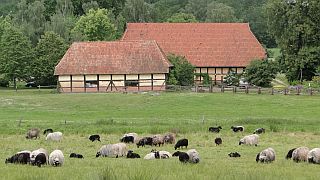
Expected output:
(234, 154)
(132, 155)
(259, 131)
(237, 128)
(314, 156)
(158, 155)
(157, 140)
(300, 154)
(112, 150)
(56, 158)
(218, 141)
(266, 156)
(252, 139)
(75, 155)
(34, 132)
(34, 154)
(183, 157)
(181, 143)
(169, 138)
(55, 136)
(215, 129)
(163, 154)
(193, 156)
(94, 137)
(19, 158)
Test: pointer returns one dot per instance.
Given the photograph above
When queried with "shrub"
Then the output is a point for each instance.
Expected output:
(4, 82)
(182, 72)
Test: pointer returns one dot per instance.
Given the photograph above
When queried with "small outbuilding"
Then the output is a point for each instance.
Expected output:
(115, 66)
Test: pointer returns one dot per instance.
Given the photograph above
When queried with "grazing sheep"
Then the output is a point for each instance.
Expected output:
(157, 140)
(314, 156)
(134, 135)
(193, 156)
(132, 155)
(145, 141)
(75, 155)
(169, 138)
(289, 154)
(127, 139)
(56, 158)
(111, 150)
(234, 154)
(184, 157)
(55, 136)
(259, 131)
(34, 154)
(94, 137)
(237, 128)
(252, 139)
(218, 141)
(215, 129)
(300, 154)
(40, 159)
(20, 158)
(266, 156)
(34, 132)
(181, 143)
(47, 131)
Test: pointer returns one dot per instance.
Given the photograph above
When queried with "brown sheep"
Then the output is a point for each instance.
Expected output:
(169, 138)
(34, 132)
(157, 140)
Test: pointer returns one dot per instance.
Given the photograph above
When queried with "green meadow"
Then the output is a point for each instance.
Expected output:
(290, 121)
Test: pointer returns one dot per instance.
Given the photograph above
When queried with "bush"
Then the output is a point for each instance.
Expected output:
(261, 72)
(232, 79)
(4, 82)
(182, 72)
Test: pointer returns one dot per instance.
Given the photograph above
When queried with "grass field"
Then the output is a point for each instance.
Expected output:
(290, 121)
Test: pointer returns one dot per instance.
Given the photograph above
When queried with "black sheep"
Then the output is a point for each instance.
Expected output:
(40, 159)
(177, 153)
(259, 131)
(218, 141)
(132, 155)
(237, 128)
(215, 129)
(234, 154)
(183, 157)
(75, 155)
(47, 131)
(21, 158)
(181, 143)
(289, 154)
(94, 137)
(127, 139)
(145, 141)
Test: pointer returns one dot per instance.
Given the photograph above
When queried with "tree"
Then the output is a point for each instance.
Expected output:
(95, 26)
(182, 72)
(295, 26)
(182, 18)
(219, 12)
(16, 54)
(48, 52)
(232, 79)
(138, 11)
(198, 8)
(261, 72)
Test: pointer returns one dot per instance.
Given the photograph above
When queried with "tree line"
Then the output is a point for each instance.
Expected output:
(34, 34)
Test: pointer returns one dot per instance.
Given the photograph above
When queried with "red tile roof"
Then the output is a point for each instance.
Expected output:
(116, 57)
(203, 44)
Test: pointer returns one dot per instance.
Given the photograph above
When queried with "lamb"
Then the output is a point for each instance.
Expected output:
(111, 150)
(55, 136)
(20, 158)
(75, 155)
(300, 154)
(144, 141)
(56, 158)
(40, 159)
(237, 128)
(47, 131)
(266, 156)
(94, 137)
(169, 138)
(215, 129)
(34, 132)
(193, 156)
(34, 154)
(132, 155)
(289, 154)
(259, 131)
(157, 140)
(218, 141)
(314, 156)
(181, 143)
(252, 139)
(234, 154)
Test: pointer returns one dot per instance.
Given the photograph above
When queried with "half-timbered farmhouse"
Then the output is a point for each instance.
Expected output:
(112, 66)
(213, 48)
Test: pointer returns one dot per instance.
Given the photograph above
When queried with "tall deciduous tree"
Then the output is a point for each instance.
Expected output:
(182, 18)
(295, 25)
(219, 12)
(48, 52)
(16, 54)
(138, 11)
(182, 72)
(95, 26)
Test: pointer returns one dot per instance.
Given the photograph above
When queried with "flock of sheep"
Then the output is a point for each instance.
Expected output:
(41, 157)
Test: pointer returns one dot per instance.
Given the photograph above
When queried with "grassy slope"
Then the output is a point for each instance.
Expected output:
(112, 114)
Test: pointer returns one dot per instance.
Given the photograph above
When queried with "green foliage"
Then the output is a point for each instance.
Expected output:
(95, 26)
(220, 13)
(48, 52)
(232, 79)
(183, 71)
(4, 81)
(182, 18)
(261, 72)
(207, 80)
(138, 11)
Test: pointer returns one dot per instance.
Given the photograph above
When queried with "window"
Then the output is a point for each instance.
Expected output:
(90, 84)
(133, 83)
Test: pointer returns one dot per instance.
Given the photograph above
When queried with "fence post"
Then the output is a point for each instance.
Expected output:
(246, 90)
(285, 91)
(222, 89)
(271, 91)
(298, 91)
(234, 90)
(310, 91)
(259, 90)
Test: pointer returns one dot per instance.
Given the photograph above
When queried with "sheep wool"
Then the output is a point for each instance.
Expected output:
(266, 156)
(252, 139)
(314, 156)
(300, 154)
(193, 156)
(55, 136)
(34, 154)
(56, 158)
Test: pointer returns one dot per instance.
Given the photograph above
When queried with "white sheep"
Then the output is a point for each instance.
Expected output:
(300, 154)
(34, 154)
(122, 149)
(56, 158)
(252, 139)
(266, 156)
(55, 136)
(158, 155)
(314, 156)
(112, 150)
(193, 156)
